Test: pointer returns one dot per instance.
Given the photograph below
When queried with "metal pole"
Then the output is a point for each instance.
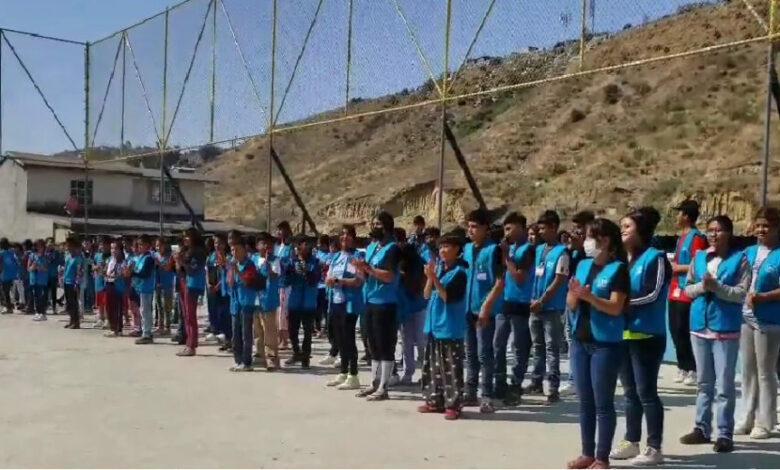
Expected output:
(440, 194)
(85, 153)
(583, 32)
(1, 92)
(163, 144)
(122, 117)
(273, 120)
(213, 71)
(770, 64)
(349, 57)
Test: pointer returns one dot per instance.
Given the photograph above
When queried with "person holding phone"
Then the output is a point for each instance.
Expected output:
(717, 282)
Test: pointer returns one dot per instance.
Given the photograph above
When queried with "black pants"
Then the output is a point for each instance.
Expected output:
(5, 295)
(51, 293)
(679, 327)
(321, 314)
(72, 304)
(342, 325)
(333, 333)
(382, 331)
(298, 318)
(364, 335)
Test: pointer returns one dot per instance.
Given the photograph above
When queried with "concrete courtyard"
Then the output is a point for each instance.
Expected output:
(76, 399)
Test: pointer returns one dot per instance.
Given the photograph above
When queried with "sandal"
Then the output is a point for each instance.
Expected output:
(377, 396)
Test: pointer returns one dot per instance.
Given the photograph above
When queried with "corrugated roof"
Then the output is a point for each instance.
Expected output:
(134, 226)
(35, 160)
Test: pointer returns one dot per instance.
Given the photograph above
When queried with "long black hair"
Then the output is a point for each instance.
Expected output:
(607, 228)
(646, 219)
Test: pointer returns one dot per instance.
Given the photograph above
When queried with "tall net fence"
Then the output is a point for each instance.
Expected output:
(320, 82)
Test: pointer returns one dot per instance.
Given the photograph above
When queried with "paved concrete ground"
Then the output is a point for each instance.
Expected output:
(77, 399)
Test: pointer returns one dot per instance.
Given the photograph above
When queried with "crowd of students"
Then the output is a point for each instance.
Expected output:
(602, 292)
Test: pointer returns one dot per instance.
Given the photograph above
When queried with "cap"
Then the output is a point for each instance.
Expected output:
(688, 207)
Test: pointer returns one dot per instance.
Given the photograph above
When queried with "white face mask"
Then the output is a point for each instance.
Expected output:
(589, 245)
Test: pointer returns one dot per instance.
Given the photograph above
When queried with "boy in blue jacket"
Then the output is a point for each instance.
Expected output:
(244, 280)
(71, 279)
(303, 280)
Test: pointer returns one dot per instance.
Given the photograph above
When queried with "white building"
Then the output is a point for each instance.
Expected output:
(121, 199)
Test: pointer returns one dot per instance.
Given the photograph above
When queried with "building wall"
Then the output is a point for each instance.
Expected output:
(15, 223)
(114, 195)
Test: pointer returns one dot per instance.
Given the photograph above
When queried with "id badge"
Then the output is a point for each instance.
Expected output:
(539, 271)
(482, 276)
(676, 293)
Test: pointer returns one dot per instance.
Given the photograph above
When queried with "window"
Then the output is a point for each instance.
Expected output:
(82, 191)
(171, 196)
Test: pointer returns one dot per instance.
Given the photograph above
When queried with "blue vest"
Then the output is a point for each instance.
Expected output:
(514, 292)
(10, 266)
(303, 295)
(143, 286)
(72, 264)
(767, 313)
(246, 294)
(353, 296)
(165, 278)
(100, 280)
(710, 312)
(541, 282)
(284, 253)
(54, 261)
(481, 277)
(120, 283)
(684, 256)
(39, 278)
(196, 281)
(378, 292)
(605, 328)
(269, 297)
(446, 320)
(648, 318)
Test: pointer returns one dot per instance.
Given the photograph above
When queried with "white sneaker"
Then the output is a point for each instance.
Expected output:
(337, 364)
(221, 338)
(567, 389)
(650, 456)
(328, 361)
(37, 317)
(760, 433)
(352, 383)
(98, 325)
(211, 337)
(678, 379)
(43, 318)
(236, 368)
(625, 450)
(340, 379)
(690, 379)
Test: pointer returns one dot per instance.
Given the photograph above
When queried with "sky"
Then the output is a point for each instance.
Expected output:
(384, 60)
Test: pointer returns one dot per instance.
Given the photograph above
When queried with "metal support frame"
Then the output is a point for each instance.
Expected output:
(163, 143)
(124, 87)
(213, 95)
(272, 122)
(194, 220)
(1, 92)
(461, 159)
(583, 33)
(443, 145)
(85, 151)
(349, 56)
(296, 196)
(771, 86)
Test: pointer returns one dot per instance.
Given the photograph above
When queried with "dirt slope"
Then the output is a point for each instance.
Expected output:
(647, 135)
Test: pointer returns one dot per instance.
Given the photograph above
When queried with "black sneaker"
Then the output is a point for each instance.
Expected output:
(470, 399)
(695, 437)
(534, 389)
(294, 359)
(554, 397)
(723, 445)
(305, 365)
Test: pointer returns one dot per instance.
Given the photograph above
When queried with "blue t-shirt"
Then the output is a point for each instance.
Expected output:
(10, 266)
(72, 264)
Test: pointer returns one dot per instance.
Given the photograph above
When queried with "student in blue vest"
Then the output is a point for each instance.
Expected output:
(345, 305)
(484, 299)
(411, 305)
(717, 283)
(760, 336)
(304, 283)
(220, 318)
(518, 285)
(334, 249)
(380, 270)
(596, 299)
(18, 290)
(417, 238)
(71, 279)
(644, 337)
(8, 271)
(689, 243)
(38, 270)
(322, 253)
(445, 325)
(284, 253)
(99, 260)
(166, 278)
(264, 324)
(245, 280)
(548, 302)
(55, 261)
(29, 303)
(115, 289)
(191, 264)
(143, 281)
(428, 249)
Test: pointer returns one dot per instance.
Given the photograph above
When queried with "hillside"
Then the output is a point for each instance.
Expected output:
(648, 135)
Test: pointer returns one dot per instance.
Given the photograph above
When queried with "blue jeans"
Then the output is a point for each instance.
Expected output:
(38, 299)
(147, 314)
(546, 336)
(242, 336)
(479, 355)
(212, 306)
(595, 375)
(716, 363)
(639, 376)
(521, 344)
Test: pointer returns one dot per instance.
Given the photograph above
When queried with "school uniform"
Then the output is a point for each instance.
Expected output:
(596, 353)
(38, 272)
(760, 341)
(71, 279)
(645, 344)
(546, 325)
(166, 278)
(345, 306)
(55, 260)
(485, 269)
(514, 319)
(20, 283)
(244, 276)
(143, 283)
(265, 320)
(7, 276)
(115, 288)
(194, 286)
(445, 325)
(217, 303)
(99, 281)
(283, 253)
(716, 321)
(302, 304)
(323, 256)
(411, 309)
(86, 283)
(381, 300)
